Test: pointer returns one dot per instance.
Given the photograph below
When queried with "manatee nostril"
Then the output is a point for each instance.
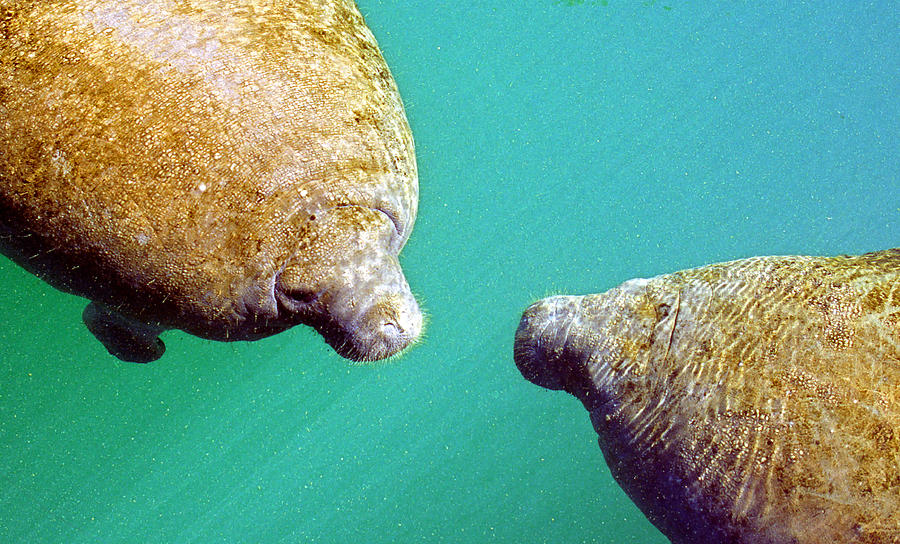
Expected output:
(389, 328)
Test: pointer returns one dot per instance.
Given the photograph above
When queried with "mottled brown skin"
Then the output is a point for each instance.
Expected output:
(228, 168)
(756, 401)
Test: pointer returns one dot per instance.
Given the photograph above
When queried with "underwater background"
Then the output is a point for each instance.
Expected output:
(563, 147)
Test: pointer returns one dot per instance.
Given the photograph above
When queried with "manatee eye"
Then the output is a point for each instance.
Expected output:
(301, 295)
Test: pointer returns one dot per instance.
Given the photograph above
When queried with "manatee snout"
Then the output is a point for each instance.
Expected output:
(364, 320)
(592, 345)
(389, 321)
(540, 345)
(359, 300)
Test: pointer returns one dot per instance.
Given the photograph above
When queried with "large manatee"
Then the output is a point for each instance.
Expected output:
(754, 401)
(231, 168)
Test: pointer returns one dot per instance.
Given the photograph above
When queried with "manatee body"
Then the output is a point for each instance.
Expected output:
(754, 401)
(229, 168)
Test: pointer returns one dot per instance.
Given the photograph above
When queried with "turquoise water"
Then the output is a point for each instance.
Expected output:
(563, 147)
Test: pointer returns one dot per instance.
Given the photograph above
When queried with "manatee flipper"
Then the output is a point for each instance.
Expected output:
(125, 338)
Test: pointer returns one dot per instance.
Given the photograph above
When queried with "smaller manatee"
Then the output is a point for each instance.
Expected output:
(749, 402)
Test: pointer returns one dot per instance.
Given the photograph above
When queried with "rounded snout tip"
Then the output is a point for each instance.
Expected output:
(401, 324)
(536, 347)
(389, 327)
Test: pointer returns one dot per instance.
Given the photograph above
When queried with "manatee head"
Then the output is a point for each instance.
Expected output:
(346, 282)
(614, 352)
(596, 347)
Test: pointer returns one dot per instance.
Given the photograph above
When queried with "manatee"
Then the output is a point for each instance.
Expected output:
(228, 168)
(752, 401)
